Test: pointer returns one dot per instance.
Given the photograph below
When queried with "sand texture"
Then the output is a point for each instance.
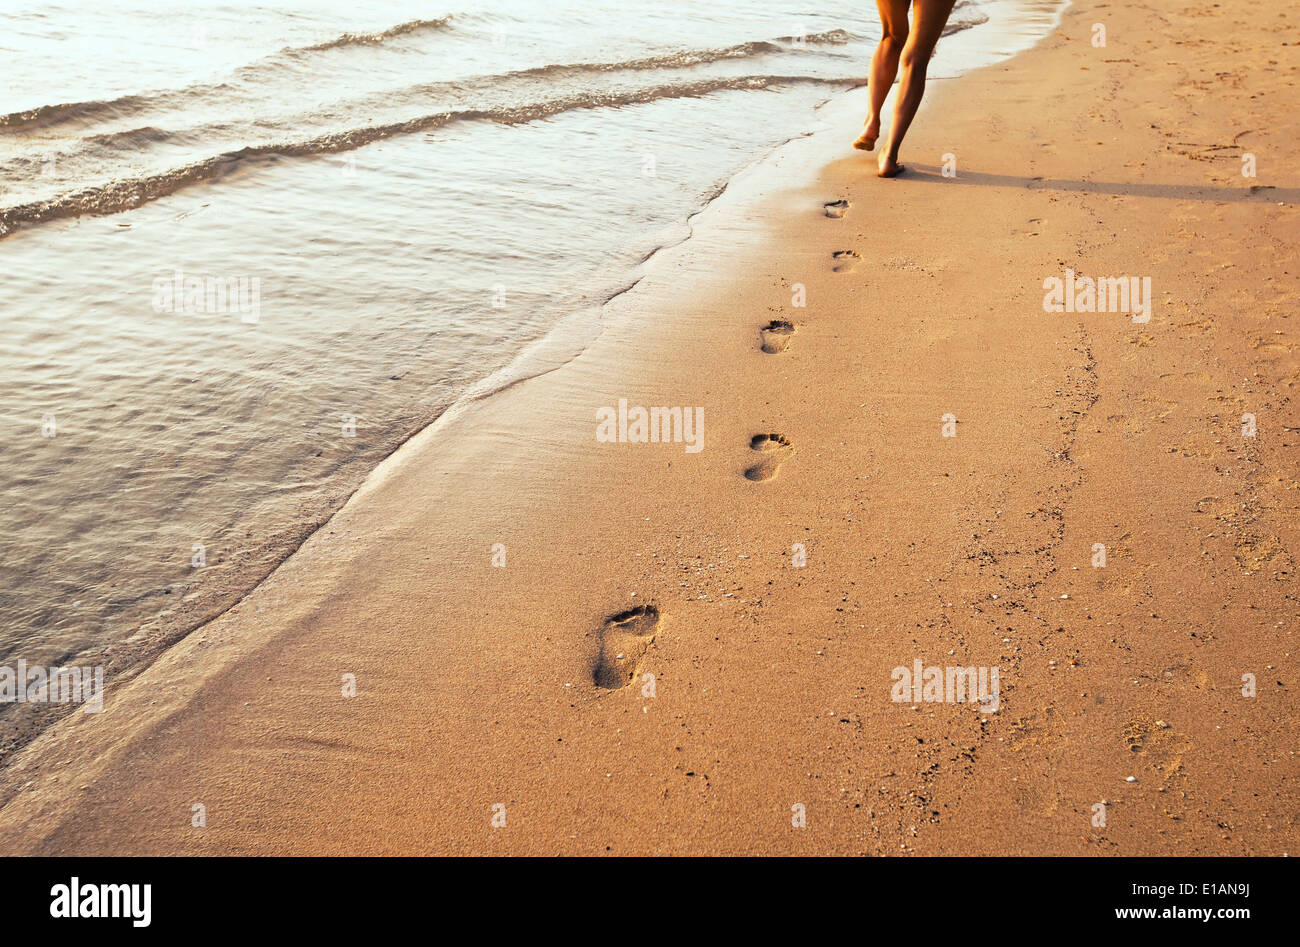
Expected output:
(690, 652)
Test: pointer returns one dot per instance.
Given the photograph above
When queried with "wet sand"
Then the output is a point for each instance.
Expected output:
(771, 585)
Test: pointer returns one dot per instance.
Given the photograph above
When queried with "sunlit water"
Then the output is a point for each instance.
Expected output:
(396, 202)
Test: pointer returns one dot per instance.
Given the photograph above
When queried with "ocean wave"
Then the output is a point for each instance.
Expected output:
(123, 106)
(689, 57)
(45, 115)
(965, 15)
(126, 140)
(42, 115)
(373, 39)
(124, 194)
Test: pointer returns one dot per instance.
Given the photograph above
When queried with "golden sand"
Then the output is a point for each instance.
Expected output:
(692, 652)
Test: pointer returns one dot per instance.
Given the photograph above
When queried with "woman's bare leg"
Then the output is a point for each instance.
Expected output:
(927, 26)
(884, 65)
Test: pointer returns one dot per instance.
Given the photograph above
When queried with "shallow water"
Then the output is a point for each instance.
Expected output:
(367, 210)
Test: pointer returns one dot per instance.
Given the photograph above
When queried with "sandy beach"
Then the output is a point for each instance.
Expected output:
(519, 637)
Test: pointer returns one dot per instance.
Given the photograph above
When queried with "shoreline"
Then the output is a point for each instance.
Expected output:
(772, 683)
(209, 595)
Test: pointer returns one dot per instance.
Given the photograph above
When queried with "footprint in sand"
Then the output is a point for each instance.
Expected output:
(775, 448)
(776, 336)
(845, 260)
(837, 208)
(624, 639)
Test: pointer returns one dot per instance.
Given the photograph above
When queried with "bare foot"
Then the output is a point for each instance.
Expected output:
(867, 140)
(887, 167)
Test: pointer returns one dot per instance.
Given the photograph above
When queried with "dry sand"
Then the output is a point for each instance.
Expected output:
(476, 683)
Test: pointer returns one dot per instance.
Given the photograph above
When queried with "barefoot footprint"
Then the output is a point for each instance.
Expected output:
(845, 260)
(836, 208)
(775, 448)
(776, 336)
(624, 639)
